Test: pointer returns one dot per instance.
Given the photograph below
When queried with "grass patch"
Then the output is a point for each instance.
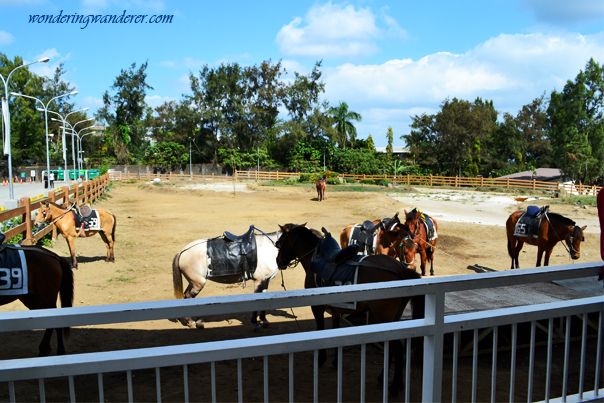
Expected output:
(580, 200)
(122, 279)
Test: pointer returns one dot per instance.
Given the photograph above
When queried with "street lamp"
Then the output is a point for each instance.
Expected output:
(46, 119)
(6, 115)
(64, 120)
(72, 141)
(80, 148)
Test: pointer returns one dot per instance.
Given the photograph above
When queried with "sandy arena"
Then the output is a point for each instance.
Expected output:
(155, 221)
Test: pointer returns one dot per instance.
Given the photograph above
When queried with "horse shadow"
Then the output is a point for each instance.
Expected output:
(480, 269)
(90, 259)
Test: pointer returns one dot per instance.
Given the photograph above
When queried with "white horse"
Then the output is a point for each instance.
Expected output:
(192, 262)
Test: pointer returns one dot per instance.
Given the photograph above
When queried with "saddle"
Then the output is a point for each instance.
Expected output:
(332, 265)
(430, 231)
(528, 224)
(233, 255)
(365, 234)
(85, 218)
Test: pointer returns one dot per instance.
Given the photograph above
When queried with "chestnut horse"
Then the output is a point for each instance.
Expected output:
(298, 244)
(64, 221)
(414, 240)
(48, 276)
(554, 228)
(321, 188)
(387, 242)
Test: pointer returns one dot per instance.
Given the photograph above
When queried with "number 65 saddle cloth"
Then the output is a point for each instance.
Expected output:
(528, 224)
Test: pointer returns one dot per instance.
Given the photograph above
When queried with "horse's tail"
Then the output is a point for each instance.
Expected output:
(113, 229)
(66, 288)
(177, 277)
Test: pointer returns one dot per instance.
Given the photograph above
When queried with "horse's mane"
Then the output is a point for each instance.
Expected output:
(411, 214)
(57, 205)
(561, 219)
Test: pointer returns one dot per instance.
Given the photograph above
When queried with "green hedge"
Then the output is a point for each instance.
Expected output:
(382, 182)
(367, 181)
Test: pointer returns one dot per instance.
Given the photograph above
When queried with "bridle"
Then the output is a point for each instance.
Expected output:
(402, 246)
(46, 211)
(296, 260)
(569, 238)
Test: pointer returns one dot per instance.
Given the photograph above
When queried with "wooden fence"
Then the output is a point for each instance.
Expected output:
(87, 191)
(409, 180)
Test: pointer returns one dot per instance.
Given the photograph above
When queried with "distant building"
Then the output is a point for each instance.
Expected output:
(541, 175)
(400, 152)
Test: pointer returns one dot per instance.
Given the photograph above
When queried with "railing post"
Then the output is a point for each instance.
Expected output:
(235, 174)
(433, 348)
(65, 194)
(277, 174)
(212, 176)
(407, 179)
(534, 184)
(456, 177)
(508, 183)
(430, 179)
(170, 176)
(481, 181)
(26, 218)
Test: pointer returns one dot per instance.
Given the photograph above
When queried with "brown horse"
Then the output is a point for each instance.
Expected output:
(413, 237)
(387, 241)
(321, 188)
(554, 228)
(64, 220)
(48, 276)
(297, 243)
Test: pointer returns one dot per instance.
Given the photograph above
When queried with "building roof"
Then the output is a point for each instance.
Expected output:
(395, 150)
(542, 174)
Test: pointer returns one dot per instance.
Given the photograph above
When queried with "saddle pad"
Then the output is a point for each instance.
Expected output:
(91, 223)
(228, 258)
(13, 271)
(430, 231)
(344, 274)
(366, 240)
(527, 226)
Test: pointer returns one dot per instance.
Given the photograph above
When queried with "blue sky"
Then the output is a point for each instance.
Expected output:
(387, 59)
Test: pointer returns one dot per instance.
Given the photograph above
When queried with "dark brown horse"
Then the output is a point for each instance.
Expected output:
(48, 276)
(321, 188)
(63, 218)
(554, 228)
(298, 243)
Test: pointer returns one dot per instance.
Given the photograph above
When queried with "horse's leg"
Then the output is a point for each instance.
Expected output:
(192, 290)
(423, 257)
(71, 244)
(335, 324)
(318, 312)
(44, 347)
(260, 286)
(517, 250)
(396, 352)
(548, 253)
(430, 255)
(60, 345)
(539, 255)
(109, 244)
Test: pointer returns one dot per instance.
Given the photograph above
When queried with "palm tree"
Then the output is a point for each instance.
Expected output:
(343, 122)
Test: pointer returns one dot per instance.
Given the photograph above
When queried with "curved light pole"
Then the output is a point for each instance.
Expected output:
(46, 120)
(64, 120)
(80, 160)
(73, 141)
(7, 149)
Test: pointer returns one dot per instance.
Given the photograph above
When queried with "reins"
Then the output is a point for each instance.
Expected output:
(558, 236)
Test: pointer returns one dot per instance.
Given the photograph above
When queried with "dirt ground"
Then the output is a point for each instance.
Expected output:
(155, 221)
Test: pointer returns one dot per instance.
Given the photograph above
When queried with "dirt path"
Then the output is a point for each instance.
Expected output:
(155, 222)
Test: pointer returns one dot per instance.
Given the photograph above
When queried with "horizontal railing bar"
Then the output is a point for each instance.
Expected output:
(153, 310)
(47, 367)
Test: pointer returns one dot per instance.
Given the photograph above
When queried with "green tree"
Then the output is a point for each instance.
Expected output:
(576, 124)
(390, 138)
(303, 94)
(343, 123)
(126, 112)
(166, 154)
(370, 144)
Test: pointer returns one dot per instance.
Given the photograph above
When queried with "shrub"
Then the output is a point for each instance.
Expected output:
(291, 180)
(367, 181)
(349, 180)
(382, 182)
(332, 181)
(305, 177)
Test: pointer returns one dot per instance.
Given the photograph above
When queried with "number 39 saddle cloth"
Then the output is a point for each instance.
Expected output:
(13, 269)
(528, 224)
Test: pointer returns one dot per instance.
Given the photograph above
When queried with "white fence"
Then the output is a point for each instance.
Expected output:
(433, 329)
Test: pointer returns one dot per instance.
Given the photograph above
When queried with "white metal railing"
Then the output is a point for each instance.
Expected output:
(433, 329)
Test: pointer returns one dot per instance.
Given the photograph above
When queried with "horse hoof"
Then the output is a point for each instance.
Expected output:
(266, 324)
(257, 328)
(200, 324)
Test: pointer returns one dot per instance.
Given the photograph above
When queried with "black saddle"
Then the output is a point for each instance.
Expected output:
(331, 264)
(528, 224)
(233, 255)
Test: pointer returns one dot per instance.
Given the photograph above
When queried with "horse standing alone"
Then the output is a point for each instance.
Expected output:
(554, 228)
(65, 224)
(48, 276)
(192, 262)
(321, 188)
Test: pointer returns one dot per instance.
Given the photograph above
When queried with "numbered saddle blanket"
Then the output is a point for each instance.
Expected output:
(528, 224)
(232, 255)
(13, 271)
(90, 223)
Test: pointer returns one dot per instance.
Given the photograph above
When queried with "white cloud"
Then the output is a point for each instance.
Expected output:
(48, 69)
(91, 102)
(156, 100)
(511, 70)
(6, 38)
(331, 30)
(564, 12)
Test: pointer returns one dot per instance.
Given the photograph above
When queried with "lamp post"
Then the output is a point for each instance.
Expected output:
(6, 114)
(46, 120)
(80, 147)
(190, 160)
(64, 120)
(73, 153)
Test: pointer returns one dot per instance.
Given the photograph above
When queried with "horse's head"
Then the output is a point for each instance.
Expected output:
(574, 239)
(412, 218)
(44, 215)
(285, 244)
(408, 250)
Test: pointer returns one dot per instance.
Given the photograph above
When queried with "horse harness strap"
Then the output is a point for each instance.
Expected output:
(558, 236)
